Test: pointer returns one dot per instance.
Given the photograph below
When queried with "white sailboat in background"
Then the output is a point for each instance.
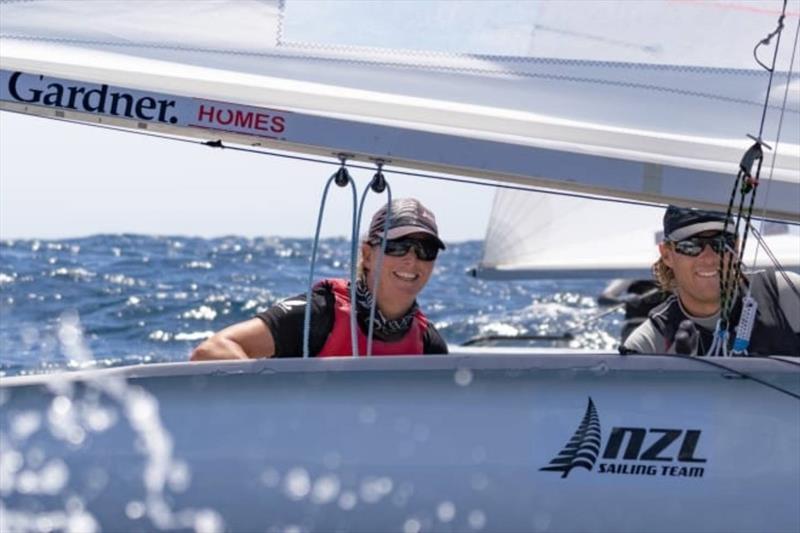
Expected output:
(550, 236)
(642, 101)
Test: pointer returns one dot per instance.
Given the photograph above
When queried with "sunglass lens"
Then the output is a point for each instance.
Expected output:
(397, 248)
(694, 246)
(425, 250)
(689, 247)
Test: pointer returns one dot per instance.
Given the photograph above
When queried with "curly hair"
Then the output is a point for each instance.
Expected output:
(664, 276)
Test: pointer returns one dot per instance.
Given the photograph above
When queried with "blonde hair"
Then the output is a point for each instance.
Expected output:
(361, 268)
(664, 276)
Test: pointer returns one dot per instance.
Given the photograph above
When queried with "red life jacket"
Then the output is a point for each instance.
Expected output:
(339, 342)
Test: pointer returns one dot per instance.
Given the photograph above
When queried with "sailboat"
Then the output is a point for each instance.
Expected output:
(609, 99)
(544, 235)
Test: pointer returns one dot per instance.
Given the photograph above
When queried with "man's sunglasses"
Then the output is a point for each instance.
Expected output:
(425, 249)
(694, 246)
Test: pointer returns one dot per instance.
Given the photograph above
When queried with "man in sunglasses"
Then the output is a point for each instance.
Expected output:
(695, 243)
(399, 326)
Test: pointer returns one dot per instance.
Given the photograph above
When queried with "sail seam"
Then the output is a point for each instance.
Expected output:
(436, 68)
(301, 45)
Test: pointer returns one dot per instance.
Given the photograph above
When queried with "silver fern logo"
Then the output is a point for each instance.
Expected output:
(583, 448)
(630, 450)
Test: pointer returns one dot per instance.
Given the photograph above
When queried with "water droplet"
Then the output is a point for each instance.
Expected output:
(53, 477)
(180, 476)
(10, 461)
(142, 409)
(446, 511)
(476, 519)
(297, 484)
(81, 523)
(45, 524)
(61, 405)
(74, 505)
(208, 521)
(69, 334)
(27, 482)
(403, 494)
(412, 525)
(325, 489)
(99, 419)
(463, 377)
(348, 500)
(76, 435)
(134, 510)
(374, 489)
(25, 424)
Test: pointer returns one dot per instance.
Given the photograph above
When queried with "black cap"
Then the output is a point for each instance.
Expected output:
(683, 222)
(408, 216)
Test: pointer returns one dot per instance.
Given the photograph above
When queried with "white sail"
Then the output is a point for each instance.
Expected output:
(649, 102)
(545, 236)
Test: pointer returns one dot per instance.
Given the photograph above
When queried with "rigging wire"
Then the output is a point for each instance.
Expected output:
(774, 158)
(740, 373)
(780, 358)
(745, 184)
(779, 268)
(326, 161)
(342, 178)
(377, 185)
(487, 182)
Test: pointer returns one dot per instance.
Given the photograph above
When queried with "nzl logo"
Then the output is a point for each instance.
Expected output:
(649, 451)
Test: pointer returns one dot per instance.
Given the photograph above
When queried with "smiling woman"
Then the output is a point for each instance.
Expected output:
(390, 278)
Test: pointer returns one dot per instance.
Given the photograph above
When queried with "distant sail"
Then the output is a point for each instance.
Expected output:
(546, 236)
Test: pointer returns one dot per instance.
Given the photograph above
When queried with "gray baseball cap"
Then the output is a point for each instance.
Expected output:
(408, 216)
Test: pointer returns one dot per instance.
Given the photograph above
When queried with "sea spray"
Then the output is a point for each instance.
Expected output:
(70, 417)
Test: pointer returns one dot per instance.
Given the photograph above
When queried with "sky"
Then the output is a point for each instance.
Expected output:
(60, 180)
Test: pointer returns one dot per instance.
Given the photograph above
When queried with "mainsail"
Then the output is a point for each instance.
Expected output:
(651, 104)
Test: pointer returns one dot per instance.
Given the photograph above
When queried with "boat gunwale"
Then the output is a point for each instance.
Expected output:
(498, 360)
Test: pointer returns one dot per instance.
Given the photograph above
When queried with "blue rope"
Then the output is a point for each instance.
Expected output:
(353, 262)
(379, 266)
(307, 318)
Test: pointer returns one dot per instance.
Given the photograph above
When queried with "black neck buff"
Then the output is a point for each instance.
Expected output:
(383, 328)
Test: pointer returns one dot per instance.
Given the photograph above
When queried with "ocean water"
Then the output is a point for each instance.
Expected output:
(145, 299)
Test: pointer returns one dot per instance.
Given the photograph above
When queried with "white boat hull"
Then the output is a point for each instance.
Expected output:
(459, 443)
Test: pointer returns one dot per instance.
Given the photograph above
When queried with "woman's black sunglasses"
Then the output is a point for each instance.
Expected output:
(425, 249)
(694, 246)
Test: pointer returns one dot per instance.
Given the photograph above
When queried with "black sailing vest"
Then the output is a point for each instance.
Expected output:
(772, 333)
